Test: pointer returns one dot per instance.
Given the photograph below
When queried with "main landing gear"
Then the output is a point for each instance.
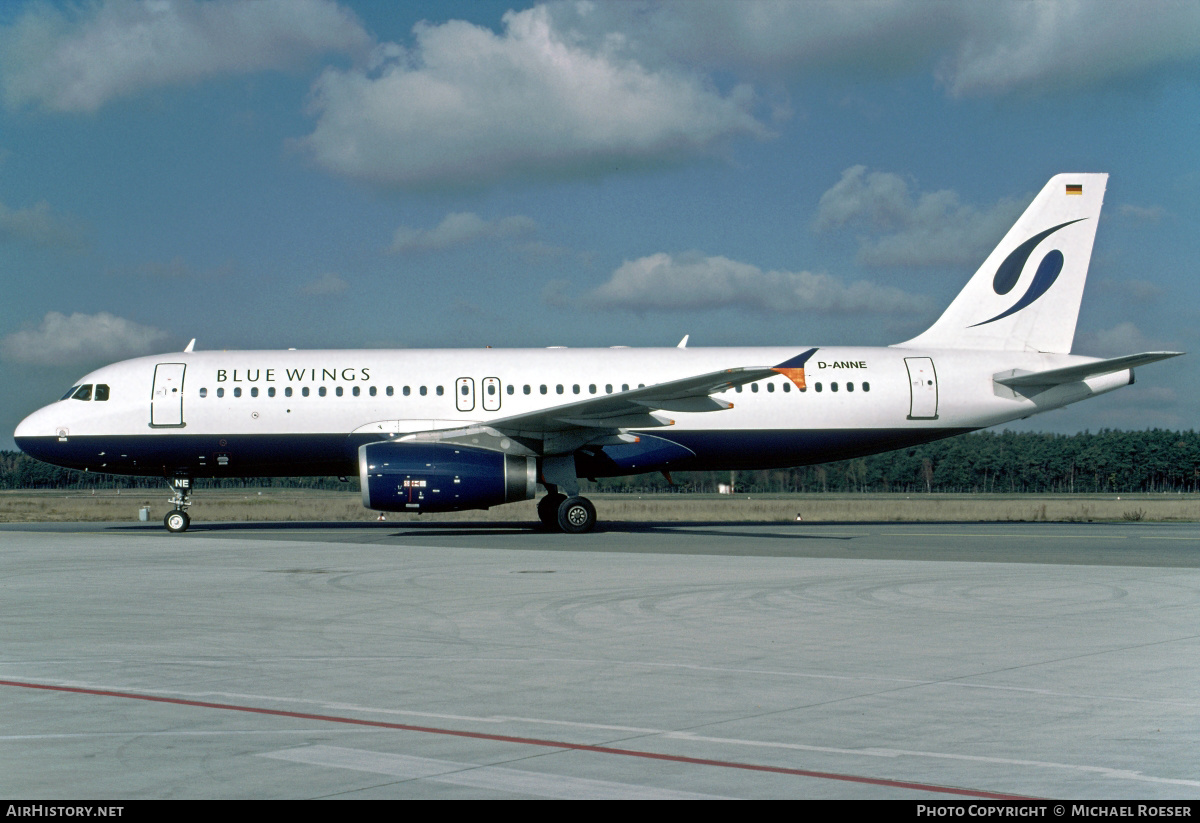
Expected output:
(573, 515)
(177, 519)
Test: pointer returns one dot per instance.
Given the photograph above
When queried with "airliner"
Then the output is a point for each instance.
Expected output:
(448, 430)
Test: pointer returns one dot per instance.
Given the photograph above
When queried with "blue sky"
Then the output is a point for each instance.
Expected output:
(312, 173)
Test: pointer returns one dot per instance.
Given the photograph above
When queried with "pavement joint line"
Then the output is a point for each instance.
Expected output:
(1023, 536)
(553, 744)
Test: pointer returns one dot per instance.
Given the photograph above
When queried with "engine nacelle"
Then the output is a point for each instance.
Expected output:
(441, 477)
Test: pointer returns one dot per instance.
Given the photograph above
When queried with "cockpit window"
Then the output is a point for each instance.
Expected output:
(84, 393)
(70, 392)
(101, 391)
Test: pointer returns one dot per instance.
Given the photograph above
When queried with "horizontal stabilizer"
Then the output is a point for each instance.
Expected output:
(1071, 374)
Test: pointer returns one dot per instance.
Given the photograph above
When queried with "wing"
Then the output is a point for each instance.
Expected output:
(635, 408)
(599, 420)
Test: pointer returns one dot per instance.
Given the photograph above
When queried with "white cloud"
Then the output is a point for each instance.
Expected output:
(587, 73)
(1123, 338)
(1032, 47)
(1145, 213)
(81, 338)
(327, 284)
(467, 106)
(459, 229)
(1141, 291)
(973, 47)
(691, 282)
(36, 226)
(769, 38)
(931, 229)
(82, 58)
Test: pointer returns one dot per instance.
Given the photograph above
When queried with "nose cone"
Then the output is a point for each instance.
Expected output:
(27, 427)
(36, 433)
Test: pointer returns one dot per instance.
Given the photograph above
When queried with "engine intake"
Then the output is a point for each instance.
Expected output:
(441, 477)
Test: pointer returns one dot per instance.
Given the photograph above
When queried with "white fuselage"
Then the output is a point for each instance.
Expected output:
(250, 413)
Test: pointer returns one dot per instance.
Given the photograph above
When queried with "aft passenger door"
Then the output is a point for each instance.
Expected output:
(922, 381)
(166, 401)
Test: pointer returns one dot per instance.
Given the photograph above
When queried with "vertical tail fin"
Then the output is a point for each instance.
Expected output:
(1026, 295)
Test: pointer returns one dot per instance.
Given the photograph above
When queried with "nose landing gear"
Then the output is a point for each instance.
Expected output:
(177, 520)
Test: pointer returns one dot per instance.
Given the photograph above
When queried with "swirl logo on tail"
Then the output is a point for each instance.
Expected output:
(1009, 272)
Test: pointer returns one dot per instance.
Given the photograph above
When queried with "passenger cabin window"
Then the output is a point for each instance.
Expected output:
(83, 393)
(204, 392)
(287, 392)
(866, 386)
(237, 392)
(220, 392)
(338, 391)
(254, 391)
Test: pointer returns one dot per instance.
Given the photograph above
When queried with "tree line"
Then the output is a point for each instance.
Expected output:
(20, 471)
(984, 462)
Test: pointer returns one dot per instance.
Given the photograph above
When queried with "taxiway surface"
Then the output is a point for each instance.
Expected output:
(390, 660)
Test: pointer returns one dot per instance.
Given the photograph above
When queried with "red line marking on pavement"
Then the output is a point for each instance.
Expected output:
(528, 741)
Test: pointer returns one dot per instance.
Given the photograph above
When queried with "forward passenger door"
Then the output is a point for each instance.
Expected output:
(166, 400)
